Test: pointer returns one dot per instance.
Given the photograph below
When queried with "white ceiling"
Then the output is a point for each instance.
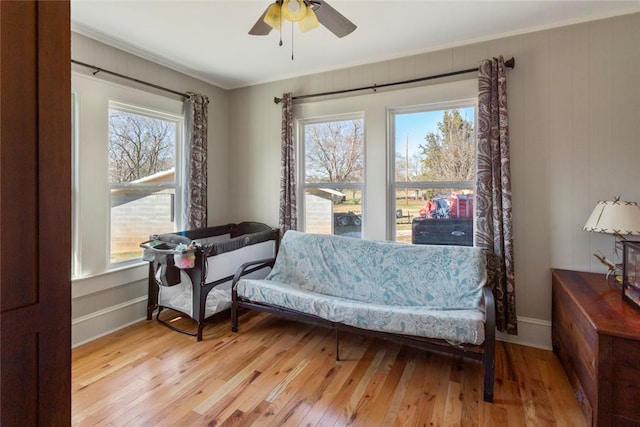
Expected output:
(209, 39)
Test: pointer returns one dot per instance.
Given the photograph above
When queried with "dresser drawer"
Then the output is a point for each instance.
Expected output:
(573, 342)
(626, 380)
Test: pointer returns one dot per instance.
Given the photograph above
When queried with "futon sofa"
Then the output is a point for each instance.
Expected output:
(431, 297)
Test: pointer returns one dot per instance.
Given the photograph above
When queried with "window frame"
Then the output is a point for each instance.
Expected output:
(395, 185)
(301, 165)
(176, 185)
(91, 229)
(374, 107)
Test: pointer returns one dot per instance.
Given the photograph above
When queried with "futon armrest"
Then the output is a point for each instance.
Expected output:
(250, 267)
(489, 358)
(489, 310)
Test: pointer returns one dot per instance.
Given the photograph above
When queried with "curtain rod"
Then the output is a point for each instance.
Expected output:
(510, 63)
(98, 70)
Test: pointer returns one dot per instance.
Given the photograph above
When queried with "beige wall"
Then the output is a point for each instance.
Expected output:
(89, 51)
(574, 100)
(104, 301)
(574, 105)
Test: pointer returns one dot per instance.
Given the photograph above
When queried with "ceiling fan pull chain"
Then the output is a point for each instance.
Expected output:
(292, 41)
(280, 17)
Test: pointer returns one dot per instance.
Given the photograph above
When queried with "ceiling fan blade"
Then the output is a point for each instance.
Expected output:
(333, 20)
(260, 28)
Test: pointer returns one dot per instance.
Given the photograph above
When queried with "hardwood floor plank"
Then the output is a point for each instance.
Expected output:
(349, 412)
(436, 388)
(453, 407)
(374, 406)
(537, 408)
(471, 394)
(277, 372)
(411, 401)
(323, 397)
(511, 401)
(307, 395)
(495, 415)
(242, 377)
(565, 408)
(254, 395)
(337, 407)
(290, 367)
(400, 390)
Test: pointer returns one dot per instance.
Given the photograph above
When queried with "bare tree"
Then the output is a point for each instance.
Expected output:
(334, 151)
(139, 146)
(449, 153)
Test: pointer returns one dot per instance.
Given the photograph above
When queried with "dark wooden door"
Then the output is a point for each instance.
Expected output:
(35, 213)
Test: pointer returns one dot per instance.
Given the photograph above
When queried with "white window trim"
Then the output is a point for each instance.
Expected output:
(394, 185)
(374, 106)
(92, 97)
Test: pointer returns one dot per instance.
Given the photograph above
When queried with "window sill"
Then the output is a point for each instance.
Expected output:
(87, 285)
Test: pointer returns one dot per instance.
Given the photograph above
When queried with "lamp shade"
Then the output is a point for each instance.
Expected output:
(615, 217)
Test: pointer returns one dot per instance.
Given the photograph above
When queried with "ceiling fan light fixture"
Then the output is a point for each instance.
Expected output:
(308, 13)
(294, 10)
(272, 17)
(309, 22)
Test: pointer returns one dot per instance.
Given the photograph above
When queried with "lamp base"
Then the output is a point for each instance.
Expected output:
(613, 269)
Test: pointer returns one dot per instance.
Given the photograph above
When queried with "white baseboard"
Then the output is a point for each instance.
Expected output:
(103, 322)
(531, 332)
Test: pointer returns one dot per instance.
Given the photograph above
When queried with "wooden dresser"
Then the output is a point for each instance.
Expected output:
(596, 335)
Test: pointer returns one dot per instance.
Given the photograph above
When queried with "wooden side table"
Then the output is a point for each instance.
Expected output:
(596, 336)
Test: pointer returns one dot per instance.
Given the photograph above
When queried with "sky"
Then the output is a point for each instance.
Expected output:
(417, 125)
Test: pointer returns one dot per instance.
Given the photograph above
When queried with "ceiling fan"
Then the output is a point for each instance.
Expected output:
(307, 13)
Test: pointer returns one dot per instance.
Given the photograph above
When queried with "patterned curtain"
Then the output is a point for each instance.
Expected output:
(494, 229)
(288, 214)
(195, 162)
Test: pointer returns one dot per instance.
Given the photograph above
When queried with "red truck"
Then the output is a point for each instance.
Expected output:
(445, 220)
(454, 205)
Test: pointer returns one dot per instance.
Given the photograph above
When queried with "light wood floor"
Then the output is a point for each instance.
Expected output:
(277, 372)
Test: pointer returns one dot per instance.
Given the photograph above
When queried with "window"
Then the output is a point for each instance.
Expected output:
(103, 216)
(143, 152)
(384, 184)
(333, 175)
(434, 166)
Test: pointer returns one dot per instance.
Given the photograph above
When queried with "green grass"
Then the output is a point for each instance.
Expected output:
(125, 256)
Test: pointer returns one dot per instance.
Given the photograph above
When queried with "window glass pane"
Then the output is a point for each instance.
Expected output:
(330, 211)
(334, 174)
(334, 151)
(434, 176)
(142, 159)
(137, 213)
(436, 145)
(140, 147)
(439, 217)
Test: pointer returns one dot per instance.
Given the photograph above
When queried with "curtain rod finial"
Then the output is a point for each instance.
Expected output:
(511, 63)
(277, 100)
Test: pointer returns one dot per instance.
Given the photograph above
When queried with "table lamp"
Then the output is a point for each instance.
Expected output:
(617, 217)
